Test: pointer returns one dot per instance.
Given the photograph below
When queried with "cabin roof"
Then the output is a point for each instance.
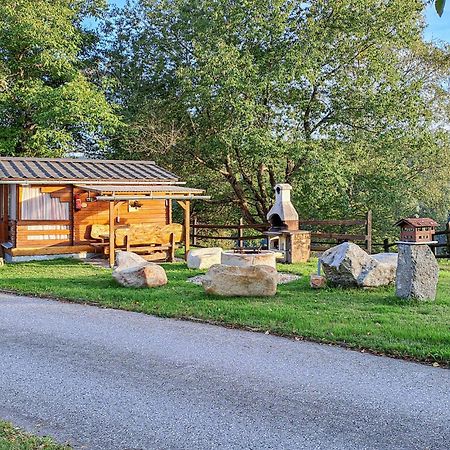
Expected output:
(117, 188)
(417, 222)
(84, 170)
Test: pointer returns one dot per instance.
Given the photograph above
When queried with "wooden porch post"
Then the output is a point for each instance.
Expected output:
(186, 205)
(111, 233)
(187, 228)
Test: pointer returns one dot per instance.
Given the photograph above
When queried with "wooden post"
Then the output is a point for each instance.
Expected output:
(172, 248)
(111, 234)
(447, 237)
(240, 233)
(369, 232)
(186, 205)
(194, 237)
(187, 228)
(386, 245)
(169, 211)
(72, 215)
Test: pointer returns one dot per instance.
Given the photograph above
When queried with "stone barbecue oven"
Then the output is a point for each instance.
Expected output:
(284, 237)
(282, 215)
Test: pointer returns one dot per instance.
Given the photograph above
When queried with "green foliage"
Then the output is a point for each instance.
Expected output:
(440, 5)
(342, 99)
(11, 438)
(47, 104)
(357, 318)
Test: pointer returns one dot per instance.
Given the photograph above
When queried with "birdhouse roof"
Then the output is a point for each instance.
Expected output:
(417, 222)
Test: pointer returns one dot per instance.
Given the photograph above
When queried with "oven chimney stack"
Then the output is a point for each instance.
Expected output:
(282, 215)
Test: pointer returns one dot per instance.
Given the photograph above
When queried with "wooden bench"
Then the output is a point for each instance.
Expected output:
(144, 239)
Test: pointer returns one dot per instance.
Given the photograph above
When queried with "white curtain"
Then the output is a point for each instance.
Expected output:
(40, 206)
(12, 202)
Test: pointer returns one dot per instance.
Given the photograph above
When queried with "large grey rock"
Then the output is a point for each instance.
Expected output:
(344, 263)
(381, 272)
(348, 265)
(386, 258)
(132, 270)
(250, 281)
(125, 260)
(204, 258)
(417, 272)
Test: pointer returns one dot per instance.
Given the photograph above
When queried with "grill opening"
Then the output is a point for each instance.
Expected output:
(276, 222)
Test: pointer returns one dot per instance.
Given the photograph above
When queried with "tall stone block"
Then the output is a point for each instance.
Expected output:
(299, 245)
(417, 272)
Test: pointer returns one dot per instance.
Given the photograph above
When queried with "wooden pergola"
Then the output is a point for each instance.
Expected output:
(181, 195)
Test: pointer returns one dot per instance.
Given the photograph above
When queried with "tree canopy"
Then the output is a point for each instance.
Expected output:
(48, 106)
(338, 98)
(341, 98)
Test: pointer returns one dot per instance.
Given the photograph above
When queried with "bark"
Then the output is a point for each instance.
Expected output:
(239, 191)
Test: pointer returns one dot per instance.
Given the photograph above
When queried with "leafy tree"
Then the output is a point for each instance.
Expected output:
(48, 106)
(439, 5)
(339, 98)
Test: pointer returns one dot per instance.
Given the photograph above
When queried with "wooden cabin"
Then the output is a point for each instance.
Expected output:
(56, 207)
(420, 230)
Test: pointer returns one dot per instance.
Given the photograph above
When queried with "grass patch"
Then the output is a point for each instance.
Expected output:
(374, 320)
(12, 438)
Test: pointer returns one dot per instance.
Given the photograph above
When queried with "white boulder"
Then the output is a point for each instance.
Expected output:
(132, 270)
(249, 281)
(203, 258)
(128, 259)
(261, 258)
(347, 264)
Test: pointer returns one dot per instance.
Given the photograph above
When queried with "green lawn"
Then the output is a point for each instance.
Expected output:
(12, 438)
(374, 320)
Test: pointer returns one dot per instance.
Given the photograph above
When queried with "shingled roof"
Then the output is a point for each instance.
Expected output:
(71, 169)
(418, 222)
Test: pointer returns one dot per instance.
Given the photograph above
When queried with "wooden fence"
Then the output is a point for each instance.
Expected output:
(239, 236)
(320, 239)
(323, 240)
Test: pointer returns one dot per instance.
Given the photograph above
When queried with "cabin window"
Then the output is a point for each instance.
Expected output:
(37, 205)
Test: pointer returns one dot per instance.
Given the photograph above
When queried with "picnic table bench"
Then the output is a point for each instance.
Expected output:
(144, 239)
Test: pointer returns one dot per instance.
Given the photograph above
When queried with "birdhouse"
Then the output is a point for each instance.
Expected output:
(419, 230)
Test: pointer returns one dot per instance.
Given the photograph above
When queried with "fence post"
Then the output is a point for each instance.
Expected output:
(240, 233)
(386, 245)
(194, 232)
(369, 231)
(447, 237)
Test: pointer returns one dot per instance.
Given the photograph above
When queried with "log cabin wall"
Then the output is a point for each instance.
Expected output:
(156, 212)
(40, 233)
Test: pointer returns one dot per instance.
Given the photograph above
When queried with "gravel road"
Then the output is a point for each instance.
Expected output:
(106, 379)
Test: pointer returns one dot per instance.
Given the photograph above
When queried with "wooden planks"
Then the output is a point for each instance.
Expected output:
(333, 222)
(45, 233)
(339, 236)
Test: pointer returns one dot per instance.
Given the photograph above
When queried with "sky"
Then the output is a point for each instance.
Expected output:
(438, 27)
